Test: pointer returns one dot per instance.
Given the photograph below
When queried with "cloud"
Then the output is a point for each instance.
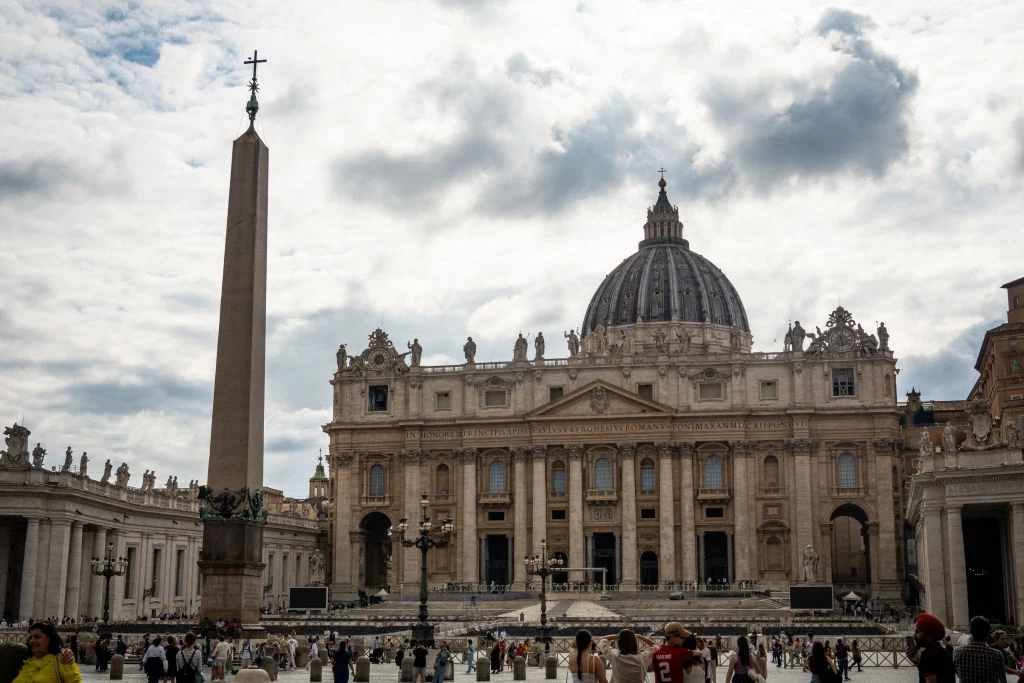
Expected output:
(35, 178)
(519, 67)
(146, 391)
(948, 373)
(1018, 129)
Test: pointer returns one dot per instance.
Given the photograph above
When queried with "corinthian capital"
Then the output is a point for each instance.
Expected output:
(665, 450)
(741, 449)
(626, 451)
(685, 448)
(538, 453)
(575, 452)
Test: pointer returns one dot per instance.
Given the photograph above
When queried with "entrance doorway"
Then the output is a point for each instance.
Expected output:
(851, 548)
(560, 578)
(716, 556)
(497, 566)
(983, 553)
(376, 550)
(604, 557)
(649, 569)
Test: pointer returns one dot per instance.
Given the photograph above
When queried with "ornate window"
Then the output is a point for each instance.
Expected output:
(648, 478)
(558, 478)
(441, 486)
(496, 479)
(603, 475)
(842, 382)
(846, 471)
(713, 472)
(377, 488)
(771, 472)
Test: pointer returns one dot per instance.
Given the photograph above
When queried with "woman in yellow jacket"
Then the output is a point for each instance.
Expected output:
(44, 665)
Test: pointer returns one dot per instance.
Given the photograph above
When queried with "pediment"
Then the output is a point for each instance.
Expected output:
(599, 398)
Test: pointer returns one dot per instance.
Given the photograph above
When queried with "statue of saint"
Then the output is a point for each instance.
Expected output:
(316, 568)
(342, 358)
(538, 346)
(83, 464)
(1012, 435)
(948, 438)
(469, 349)
(883, 337)
(415, 353)
(193, 489)
(797, 336)
(107, 467)
(38, 453)
(573, 341)
(659, 340)
(123, 475)
(519, 350)
(68, 458)
(683, 338)
(924, 443)
(810, 563)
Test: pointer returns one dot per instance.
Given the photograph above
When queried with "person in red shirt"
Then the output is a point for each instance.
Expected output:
(671, 660)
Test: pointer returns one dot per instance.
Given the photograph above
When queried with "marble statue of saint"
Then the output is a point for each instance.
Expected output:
(342, 356)
(924, 443)
(659, 339)
(796, 340)
(193, 489)
(538, 346)
(68, 458)
(316, 568)
(883, 337)
(1012, 435)
(573, 342)
(810, 563)
(469, 349)
(519, 350)
(38, 454)
(949, 438)
(106, 472)
(83, 464)
(123, 475)
(169, 486)
(683, 338)
(416, 352)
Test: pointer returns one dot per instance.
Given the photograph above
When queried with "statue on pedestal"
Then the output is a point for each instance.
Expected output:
(469, 349)
(122, 475)
(415, 353)
(68, 459)
(810, 563)
(106, 472)
(83, 464)
(538, 346)
(38, 454)
(519, 350)
(948, 438)
(883, 337)
(924, 443)
(342, 357)
(316, 568)
(573, 341)
(16, 454)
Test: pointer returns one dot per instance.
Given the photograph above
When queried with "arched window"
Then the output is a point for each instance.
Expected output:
(771, 472)
(441, 480)
(774, 553)
(603, 475)
(648, 478)
(496, 478)
(377, 481)
(847, 471)
(558, 478)
(713, 472)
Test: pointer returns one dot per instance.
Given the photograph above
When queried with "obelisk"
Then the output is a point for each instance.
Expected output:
(232, 502)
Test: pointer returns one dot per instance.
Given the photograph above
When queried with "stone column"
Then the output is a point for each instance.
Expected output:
(935, 584)
(628, 578)
(1018, 559)
(30, 571)
(520, 523)
(826, 544)
(99, 549)
(744, 531)
(576, 494)
(57, 571)
(700, 556)
(71, 600)
(666, 508)
(687, 540)
(886, 552)
(730, 556)
(413, 513)
(468, 535)
(482, 568)
(802, 492)
(540, 497)
(345, 474)
(957, 567)
(5, 561)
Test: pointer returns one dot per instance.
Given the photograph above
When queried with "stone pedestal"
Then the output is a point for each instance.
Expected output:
(253, 676)
(116, 668)
(232, 570)
(551, 668)
(363, 669)
(519, 669)
(316, 670)
(406, 674)
(483, 669)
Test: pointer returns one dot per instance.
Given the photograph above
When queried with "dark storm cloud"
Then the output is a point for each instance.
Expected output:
(34, 178)
(948, 374)
(519, 67)
(149, 391)
(855, 123)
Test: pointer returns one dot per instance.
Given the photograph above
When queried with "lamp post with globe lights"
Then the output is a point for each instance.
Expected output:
(108, 567)
(543, 566)
(423, 630)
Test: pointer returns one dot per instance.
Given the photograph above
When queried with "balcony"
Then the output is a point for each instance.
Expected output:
(442, 498)
(716, 495)
(375, 501)
(503, 498)
(602, 495)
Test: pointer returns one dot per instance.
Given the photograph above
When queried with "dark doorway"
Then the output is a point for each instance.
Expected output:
(376, 550)
(649, 569)
(983, 553)
(496, 570)
(716, 556)
(851, 548)
(604, 557)
(560, 578)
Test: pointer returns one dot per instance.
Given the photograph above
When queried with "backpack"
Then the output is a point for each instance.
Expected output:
(187, 673)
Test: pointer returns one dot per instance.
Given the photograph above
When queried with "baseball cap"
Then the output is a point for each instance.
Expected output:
(674, 628)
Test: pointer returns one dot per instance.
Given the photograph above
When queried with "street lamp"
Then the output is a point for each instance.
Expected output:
(108, 567)
(423, 630)
(543, 566)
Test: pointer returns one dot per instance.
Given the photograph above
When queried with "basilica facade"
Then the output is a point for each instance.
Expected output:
(658, 452)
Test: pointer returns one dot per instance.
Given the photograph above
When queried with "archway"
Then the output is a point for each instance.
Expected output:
(376, 550)
(851, 545)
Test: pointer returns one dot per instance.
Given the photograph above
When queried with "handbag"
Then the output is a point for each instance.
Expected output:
(755, 675)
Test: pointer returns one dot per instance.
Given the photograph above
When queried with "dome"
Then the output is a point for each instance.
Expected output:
(665, 281)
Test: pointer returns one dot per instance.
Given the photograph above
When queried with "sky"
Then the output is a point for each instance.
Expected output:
(448, 168)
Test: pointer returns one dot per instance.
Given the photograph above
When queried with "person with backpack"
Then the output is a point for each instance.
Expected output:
(154, 661)
(188, 662)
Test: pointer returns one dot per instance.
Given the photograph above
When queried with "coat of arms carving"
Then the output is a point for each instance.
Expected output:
(16, 454)
(980, 435)
(599, 400)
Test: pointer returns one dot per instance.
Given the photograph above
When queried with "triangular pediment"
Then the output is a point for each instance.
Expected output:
(600, 399)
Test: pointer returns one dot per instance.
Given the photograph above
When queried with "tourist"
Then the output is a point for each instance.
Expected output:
(470, 656)
(441, 662)
(694, 673)
(584, 665)
(741, 663)
(496, 657)
(855, 652)
(171, 653)
(292, 644)
(221, 656)
(629, 655)
(154, 661)
(975, 661)
(419, 664)
(934, 664)
(822, 669)
(188, 663)
(671, 660)
(39, 662)
(246, 653)
(843, 659)
(1001, 643)
(314, 651)
(762, 660)
(342, 663)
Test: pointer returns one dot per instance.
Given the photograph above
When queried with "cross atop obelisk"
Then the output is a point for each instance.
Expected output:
(253, 106)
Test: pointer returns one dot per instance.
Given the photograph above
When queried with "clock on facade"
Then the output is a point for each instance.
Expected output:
(841, 339)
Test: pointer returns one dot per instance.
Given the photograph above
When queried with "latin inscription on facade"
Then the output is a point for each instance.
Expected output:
(696, 427)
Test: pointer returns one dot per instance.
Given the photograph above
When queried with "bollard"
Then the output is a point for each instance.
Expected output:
(483, 667)
(363, 669)
(116, 668)
(269, 667)
(252, 676)
(551, 668)
(519, 669)
(316, 670)
(406, 675)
